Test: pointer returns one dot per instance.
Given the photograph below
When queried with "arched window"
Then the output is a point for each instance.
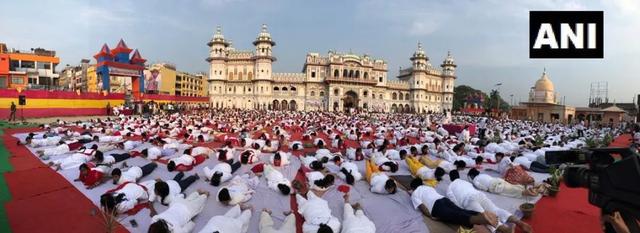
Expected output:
(345, 73)
(365, 93)
(293, 89)
(336, 91)
(366, 75)
(250, 75)
(313, 93)
(351, 74)
(322, 93)
(276, 88)
(380, 79)
(373, 96)
(357, 74)
(380, 96)
(400, 96)
(240, 77)
(407, 97)
(336, 73)
(394, 96)
(284, 89)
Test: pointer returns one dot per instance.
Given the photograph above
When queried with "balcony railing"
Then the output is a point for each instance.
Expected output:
(351, 80)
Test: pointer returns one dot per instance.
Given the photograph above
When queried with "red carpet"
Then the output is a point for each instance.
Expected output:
(569, 211)
(43, 201)
(39, 180)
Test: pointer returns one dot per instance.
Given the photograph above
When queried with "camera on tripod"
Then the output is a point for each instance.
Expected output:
(612, 176)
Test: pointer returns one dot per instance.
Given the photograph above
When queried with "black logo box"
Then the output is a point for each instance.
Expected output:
(555, 18)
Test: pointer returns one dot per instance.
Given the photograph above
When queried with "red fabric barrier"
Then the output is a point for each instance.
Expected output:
(44, 94)
(48, 112)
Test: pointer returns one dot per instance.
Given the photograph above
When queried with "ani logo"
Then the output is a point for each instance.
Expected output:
(566, 34)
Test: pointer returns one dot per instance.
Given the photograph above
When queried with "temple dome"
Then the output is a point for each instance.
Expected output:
(544, 83)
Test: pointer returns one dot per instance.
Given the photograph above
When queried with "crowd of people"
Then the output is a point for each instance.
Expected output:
(498, 157)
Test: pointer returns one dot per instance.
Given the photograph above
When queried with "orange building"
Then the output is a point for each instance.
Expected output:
(34, 69)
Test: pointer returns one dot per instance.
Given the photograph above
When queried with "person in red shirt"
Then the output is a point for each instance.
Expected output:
(92, 176)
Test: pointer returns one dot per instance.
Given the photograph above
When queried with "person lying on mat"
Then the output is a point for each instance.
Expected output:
(349, 172)
(186, 161)
(276, 181)
(72, 161)
(154, 153)
(167, 191)
(99, 157)
(93, 175)
(379, 181)
(317, 214)
(430, 176)
(249, 156)
(239, 190)
(221, 172)
(355, 222)
(383, 163)
(512, 172)
(433, 205)
(319, 181)
(266, 224)
(201, 150)
(45, 141)
(62, 148)
(465, 196)
(132, 174)
(279, 159)
(177, 218)
(499, 186)
(226, 153)
(441, 163)
(124, 198)
(235, 220)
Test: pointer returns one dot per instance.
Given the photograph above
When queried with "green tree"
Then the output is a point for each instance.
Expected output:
(461, 92)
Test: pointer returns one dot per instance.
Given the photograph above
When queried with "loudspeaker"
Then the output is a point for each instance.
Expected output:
(22, 100)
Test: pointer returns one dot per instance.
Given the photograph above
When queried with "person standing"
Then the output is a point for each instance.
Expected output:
(12, 116)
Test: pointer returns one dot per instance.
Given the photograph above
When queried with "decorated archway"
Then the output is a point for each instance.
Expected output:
(350, 100)
(284, 105)
(275, 105)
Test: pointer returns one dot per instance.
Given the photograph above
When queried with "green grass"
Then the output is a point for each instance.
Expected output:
(5, 195)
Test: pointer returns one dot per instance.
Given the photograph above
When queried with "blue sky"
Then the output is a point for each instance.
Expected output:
(489, 38)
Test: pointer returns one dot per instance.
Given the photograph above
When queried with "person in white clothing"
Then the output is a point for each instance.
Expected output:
(499, 186)
(177, 218)
(72, 161)
(464, 195)
(267, 225)
(221, 173)
(355, 222)
(433, 205)
(276, 181)
(317, 214)
(349, 172)
(239, 190)
(236, 220)
(133, 174)
(279, 159)
(123, 198)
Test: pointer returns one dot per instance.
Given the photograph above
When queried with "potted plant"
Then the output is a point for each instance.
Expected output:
(527, 208)
(554, 181)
